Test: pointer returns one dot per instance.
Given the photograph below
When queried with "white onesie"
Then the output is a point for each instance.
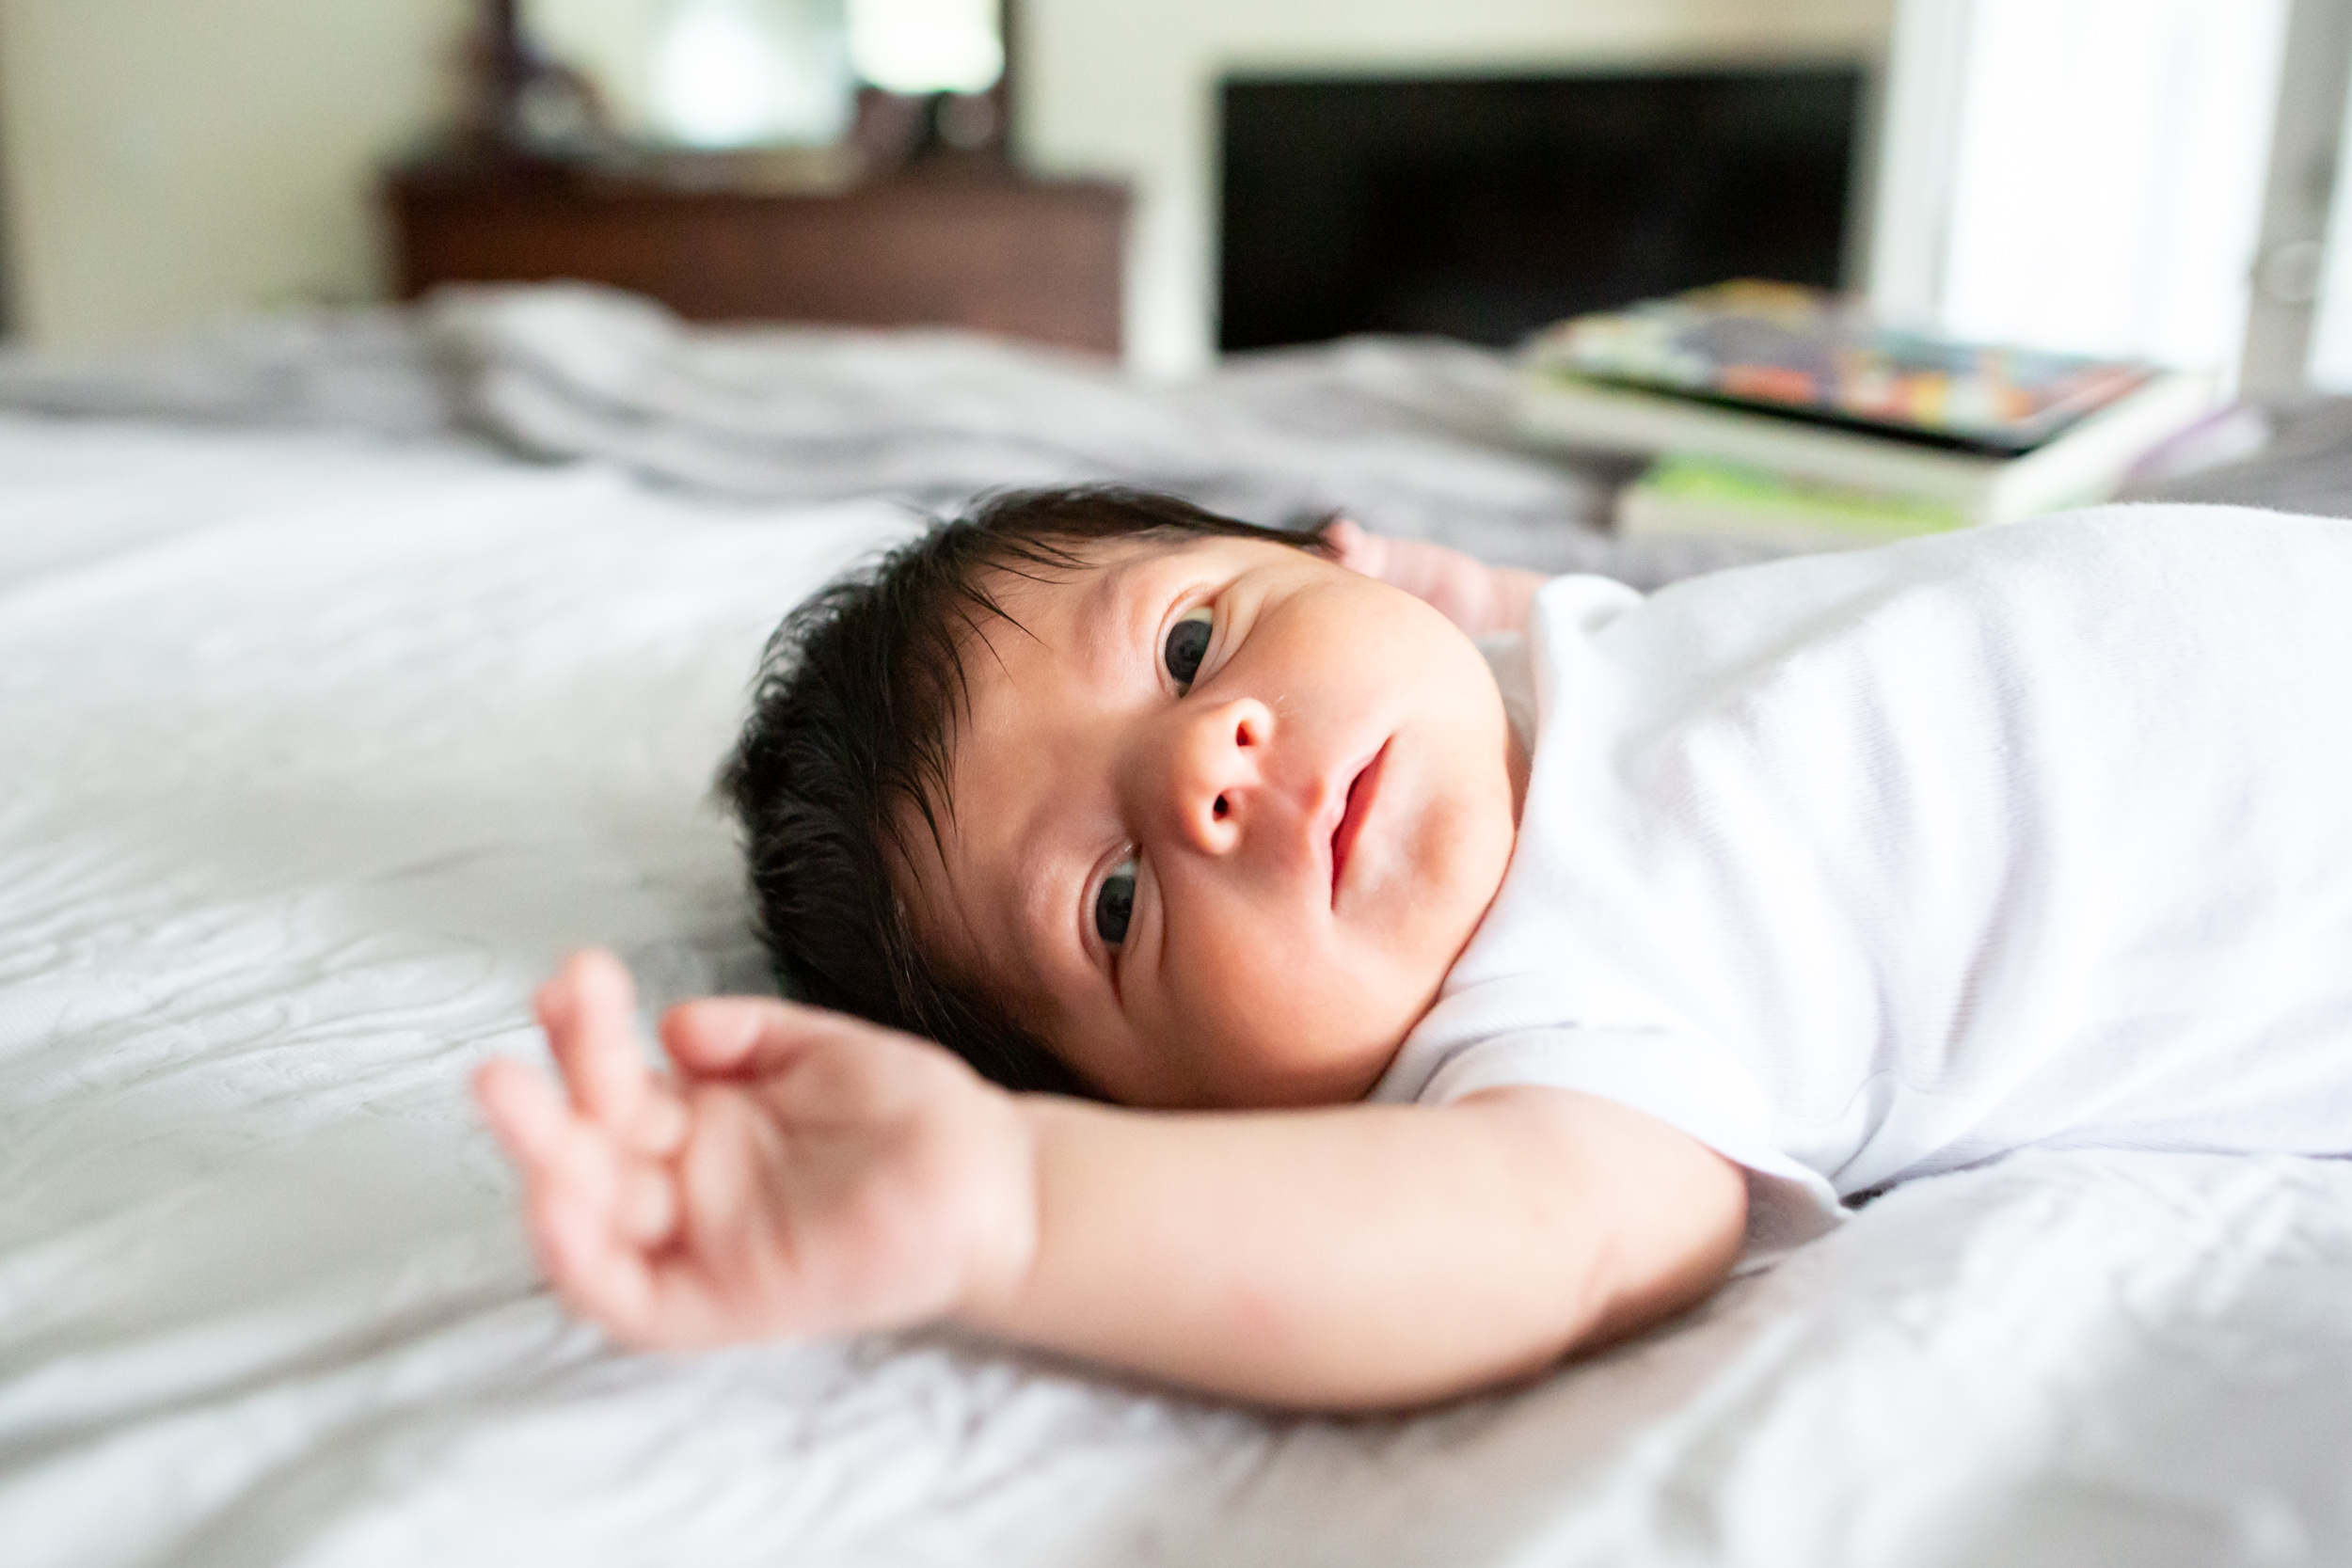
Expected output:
(1862, 867)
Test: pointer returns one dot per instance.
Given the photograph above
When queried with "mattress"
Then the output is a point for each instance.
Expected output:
(317, 750)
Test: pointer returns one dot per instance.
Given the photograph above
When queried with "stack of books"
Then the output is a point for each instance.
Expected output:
(1790, 416)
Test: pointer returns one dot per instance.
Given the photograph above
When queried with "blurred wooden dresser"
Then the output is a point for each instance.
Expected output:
(956, 243)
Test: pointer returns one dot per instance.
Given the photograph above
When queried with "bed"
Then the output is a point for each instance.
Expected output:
(353, 669)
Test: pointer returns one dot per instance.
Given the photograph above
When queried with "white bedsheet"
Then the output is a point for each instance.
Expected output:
(314, 754)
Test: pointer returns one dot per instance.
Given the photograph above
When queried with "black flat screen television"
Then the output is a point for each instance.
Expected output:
(1483, 207)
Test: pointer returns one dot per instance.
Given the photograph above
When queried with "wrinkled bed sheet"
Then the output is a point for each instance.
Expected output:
(1413, 436)
(316, 752)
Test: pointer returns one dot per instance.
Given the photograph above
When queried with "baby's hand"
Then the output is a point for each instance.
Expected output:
(801, 1173)
(1479, 598)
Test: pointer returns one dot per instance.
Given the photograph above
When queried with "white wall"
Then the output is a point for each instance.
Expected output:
(2086, 177)
(171, 161)
(1127, 87)
(2300, 320)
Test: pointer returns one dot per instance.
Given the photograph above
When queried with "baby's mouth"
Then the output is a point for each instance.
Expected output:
(1360, 793)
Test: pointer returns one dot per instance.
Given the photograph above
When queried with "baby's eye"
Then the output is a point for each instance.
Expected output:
(1187, 645)
(1115, 902)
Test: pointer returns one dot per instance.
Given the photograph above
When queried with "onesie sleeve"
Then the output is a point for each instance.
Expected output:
(1675, 1079)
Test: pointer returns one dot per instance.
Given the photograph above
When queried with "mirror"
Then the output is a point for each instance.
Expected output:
(730, 74)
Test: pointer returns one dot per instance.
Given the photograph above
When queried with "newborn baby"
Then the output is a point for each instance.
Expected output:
(1374, 1013)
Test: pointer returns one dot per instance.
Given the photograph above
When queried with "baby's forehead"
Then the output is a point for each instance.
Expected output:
(1067, 572)
(1045, 627)
(1053, 619)
(1022, 630)
(957, 905)
(1041, 630)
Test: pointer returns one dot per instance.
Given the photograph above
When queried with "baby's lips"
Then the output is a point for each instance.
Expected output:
(1356, 802)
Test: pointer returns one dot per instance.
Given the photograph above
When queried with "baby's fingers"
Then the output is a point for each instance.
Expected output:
(742, 1036)
(598, 1273)
(572, 1165)
(646, 1298)
(524, 1112)
(588, 1012)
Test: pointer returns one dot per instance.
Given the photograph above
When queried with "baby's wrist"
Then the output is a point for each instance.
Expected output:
(1005, 1243)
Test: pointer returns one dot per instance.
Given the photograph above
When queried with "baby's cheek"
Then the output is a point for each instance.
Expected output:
(1282, 1026)
(1211, 1018)
(1457, 856)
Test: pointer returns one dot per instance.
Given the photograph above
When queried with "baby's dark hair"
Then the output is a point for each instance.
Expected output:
(851, 738)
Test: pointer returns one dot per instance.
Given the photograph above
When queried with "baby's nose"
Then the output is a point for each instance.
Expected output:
(1215, 768)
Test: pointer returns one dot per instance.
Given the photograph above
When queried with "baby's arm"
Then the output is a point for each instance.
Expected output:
(805, 1173)
(1364, 1256)
(1479, 598)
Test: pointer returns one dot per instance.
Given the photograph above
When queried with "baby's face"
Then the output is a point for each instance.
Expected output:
(1223, 815)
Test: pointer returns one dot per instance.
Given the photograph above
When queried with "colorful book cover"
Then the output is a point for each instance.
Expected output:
(1812, 355)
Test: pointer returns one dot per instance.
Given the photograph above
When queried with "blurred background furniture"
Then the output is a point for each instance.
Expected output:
(2137, 178)
(773, 160)
(1483, 207)
(953, 241)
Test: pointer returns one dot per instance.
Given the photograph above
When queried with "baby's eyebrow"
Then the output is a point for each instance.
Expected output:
(1042, 893)
(1035, 916)
(1105, 637)
(1039, 956)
